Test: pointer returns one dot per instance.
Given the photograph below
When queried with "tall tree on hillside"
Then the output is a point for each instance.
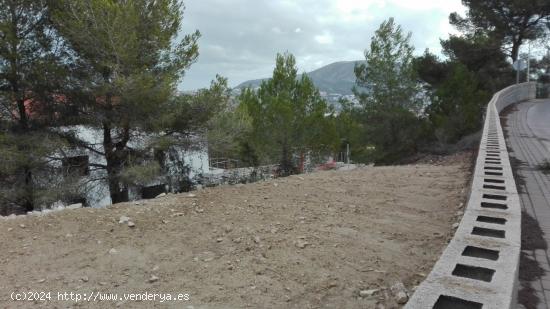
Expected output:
(482, 55)
(510, 21)
(31, 72)
(128, 62)
(288, 117)
(391, 100)
(457, 105)
(388, 76)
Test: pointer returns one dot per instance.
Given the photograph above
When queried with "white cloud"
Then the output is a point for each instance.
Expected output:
(277, 30)
(325, 38)
(240, 38)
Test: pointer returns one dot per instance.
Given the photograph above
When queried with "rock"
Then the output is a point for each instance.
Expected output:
(74, 206)
(257, 239)
(155, 268)
(131, 224)
(219, 239)
(161, 195)
(368, 293)
(84, 279)
(10, 229)
(401, 298)
(399, 291)
(22, 226)
(456, 225)
(113, 251)
(58, 205)
(123, 219)
(301, 244)
(227, 228)
(41, 280)
(153, 279)
(191, 195)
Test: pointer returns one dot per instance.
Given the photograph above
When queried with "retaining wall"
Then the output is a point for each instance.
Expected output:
(479, 267)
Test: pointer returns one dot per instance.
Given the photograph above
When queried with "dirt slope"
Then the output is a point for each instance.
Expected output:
(311, 241)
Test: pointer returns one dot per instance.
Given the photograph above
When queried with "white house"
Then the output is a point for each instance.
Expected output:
(181, 164)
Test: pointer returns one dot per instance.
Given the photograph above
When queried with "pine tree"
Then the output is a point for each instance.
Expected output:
(511, 22)
(389, 93)
(31, 74)
(288, 118)
(128, 61)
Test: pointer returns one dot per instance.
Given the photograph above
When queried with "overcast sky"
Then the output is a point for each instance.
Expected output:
(240, 38)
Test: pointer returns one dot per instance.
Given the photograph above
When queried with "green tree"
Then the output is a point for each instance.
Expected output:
(457, 105)
(288, 118)
(511, 22)
(31, 76)
(128, 61)
(391, 97)
(481, 54)
(388, 77)
(351, 132)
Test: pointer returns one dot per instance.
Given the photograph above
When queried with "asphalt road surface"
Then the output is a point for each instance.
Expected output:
(527, 126)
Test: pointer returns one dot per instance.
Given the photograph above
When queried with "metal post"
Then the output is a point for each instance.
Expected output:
(529, 62)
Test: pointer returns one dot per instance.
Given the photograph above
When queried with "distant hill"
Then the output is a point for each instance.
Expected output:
(337, 77)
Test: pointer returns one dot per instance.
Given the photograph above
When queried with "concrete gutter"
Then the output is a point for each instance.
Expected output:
(479, 267)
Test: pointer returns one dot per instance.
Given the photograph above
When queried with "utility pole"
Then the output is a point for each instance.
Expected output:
(529, 63)
(347, 153)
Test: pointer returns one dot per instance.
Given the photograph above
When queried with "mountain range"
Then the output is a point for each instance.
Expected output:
(335, 78)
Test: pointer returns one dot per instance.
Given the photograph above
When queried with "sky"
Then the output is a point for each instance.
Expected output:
(240, 38)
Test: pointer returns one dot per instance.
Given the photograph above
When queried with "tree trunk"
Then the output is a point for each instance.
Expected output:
(516, 44)
(286, 167)
(24, 128)
(115, 157)
(515, 51)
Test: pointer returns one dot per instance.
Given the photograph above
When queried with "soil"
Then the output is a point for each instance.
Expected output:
(308, 241)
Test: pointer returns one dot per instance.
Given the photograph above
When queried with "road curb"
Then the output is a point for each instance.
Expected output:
(479, 267)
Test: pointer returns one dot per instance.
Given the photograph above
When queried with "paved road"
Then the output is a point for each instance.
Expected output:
(528, 139)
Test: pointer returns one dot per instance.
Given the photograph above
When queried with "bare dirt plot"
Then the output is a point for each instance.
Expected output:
(310, 241)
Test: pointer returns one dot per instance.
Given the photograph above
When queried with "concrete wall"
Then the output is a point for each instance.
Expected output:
(479, 267)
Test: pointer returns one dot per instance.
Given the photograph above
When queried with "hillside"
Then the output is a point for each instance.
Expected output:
(337, 77)
(327, 239)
